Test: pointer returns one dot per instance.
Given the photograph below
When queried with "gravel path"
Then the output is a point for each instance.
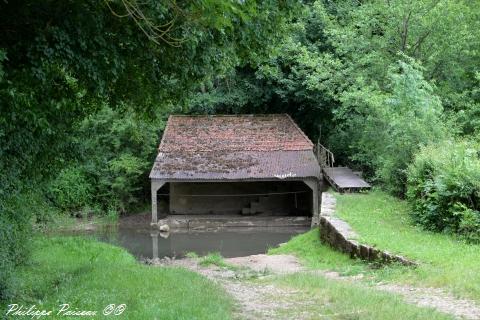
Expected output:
(421, 296)
(257, 301)
(435, 298)
(254, 301)
(278, 264)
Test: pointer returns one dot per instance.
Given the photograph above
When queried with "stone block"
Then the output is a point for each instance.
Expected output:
(363, 251)
(386, 257)
(163, 228)
(373, 254)
(353, 249)
(176, 223)
(204, 224)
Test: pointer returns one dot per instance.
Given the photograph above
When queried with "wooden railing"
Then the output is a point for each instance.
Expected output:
(324, 156)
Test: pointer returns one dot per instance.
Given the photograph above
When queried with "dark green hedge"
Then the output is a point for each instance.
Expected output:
(444, 188)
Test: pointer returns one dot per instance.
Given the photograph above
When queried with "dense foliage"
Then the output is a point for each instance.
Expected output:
(115, 151)
(63, 60)
(444, 187)
(14, 229)
(85, 87)
(389, 126)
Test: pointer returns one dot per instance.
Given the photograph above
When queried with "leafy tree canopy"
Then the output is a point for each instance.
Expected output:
(61, 60)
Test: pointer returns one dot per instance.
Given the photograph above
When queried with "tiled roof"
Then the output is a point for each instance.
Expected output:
(234, 147)
(233, 133)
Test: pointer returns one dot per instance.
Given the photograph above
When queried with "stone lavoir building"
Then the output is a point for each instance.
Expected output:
(235, 165)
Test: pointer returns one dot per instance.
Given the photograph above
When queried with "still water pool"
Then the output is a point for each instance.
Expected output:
(146, 243)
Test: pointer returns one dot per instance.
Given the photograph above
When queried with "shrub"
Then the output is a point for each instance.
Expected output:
(117, 148)
(70, 190)
(125, 175)
(15, 226)
(444, 188)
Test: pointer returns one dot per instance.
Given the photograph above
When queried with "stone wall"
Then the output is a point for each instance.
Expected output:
(200, 223)
(338, 234)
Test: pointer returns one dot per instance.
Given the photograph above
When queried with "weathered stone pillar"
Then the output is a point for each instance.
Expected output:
(156, 184)
(313, 184)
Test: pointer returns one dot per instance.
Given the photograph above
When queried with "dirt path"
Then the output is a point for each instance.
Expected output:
(278, 264)
(421, 296)
(256, 301)
(435, 298)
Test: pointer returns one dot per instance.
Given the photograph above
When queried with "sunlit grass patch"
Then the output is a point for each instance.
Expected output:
(444, 261)
(213, 258)
(317, 255)
(330, 299)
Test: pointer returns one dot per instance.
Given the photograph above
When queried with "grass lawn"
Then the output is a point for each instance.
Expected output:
(383, 221)
(330, 299)
(316, 255)
(90, 275)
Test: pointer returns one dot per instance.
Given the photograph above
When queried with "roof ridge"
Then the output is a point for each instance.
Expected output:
(164, 133)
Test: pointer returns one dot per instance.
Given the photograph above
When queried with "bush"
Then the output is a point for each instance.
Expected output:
(444, 188)
(15, 227)
(70, 190)
(116, 149)
(125, 174)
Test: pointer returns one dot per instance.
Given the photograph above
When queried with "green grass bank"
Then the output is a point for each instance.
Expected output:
(89, 275)
(384, 222)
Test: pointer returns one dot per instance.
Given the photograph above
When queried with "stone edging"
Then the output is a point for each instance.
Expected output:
(338, 234)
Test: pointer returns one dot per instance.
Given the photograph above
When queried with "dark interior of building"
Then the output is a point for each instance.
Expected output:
(272, 198)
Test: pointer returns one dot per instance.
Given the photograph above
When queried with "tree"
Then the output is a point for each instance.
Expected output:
(64, 62)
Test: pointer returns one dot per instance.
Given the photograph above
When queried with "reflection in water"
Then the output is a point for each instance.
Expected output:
(154, 245)
(147, 243)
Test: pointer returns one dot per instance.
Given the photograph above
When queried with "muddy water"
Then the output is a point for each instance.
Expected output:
(146, 243)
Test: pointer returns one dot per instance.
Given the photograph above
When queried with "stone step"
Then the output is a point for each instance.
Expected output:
(246, 211)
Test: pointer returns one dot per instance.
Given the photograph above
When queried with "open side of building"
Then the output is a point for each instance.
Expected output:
(235, 165)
